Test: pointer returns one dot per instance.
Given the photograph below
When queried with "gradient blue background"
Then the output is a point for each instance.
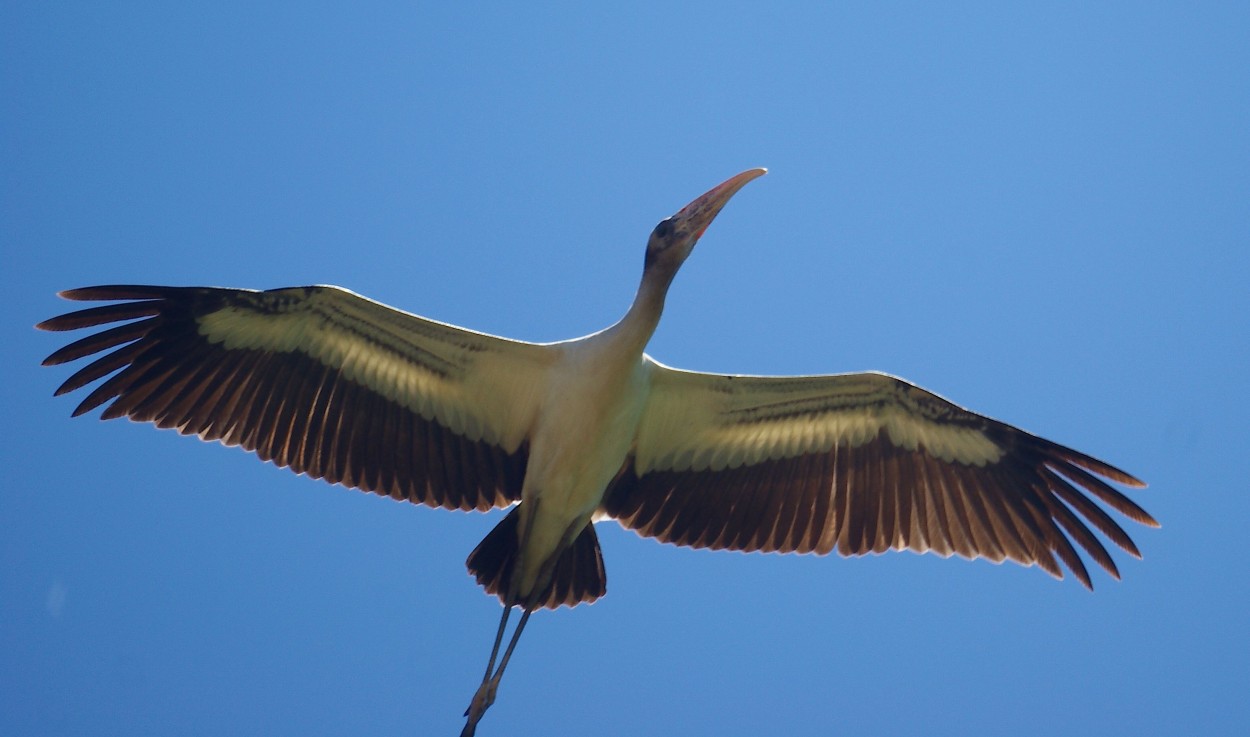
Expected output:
(1040, 213)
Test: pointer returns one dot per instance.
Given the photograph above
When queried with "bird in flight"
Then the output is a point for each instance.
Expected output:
(336, 386)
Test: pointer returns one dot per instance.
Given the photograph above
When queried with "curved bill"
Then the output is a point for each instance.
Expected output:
(700, 213)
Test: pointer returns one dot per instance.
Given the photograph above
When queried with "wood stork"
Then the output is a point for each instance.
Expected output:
(333, 385)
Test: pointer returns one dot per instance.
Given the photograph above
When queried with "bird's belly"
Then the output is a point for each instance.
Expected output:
(573, 457)
(569, 482)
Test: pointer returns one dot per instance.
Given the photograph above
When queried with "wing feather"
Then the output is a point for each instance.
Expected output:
(860, 463)
(319, 380)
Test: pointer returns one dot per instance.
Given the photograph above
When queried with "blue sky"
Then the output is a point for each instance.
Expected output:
(1041, 213)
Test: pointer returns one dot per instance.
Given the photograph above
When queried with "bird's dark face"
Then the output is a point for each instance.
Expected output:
(667, 244)
(674, 238)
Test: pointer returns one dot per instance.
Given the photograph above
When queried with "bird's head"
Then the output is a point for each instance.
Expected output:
(674, 238)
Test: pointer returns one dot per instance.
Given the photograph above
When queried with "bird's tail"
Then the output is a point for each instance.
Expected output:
(578, 575)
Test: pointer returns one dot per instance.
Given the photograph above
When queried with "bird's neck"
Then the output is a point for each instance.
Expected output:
(636, 327)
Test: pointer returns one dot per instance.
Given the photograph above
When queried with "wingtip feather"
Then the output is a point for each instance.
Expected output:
(106, 292)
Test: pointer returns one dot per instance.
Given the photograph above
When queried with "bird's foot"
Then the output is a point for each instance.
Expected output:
(482, 700)
(484, 697)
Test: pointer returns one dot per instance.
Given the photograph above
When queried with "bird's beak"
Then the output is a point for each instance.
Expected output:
(695, 217)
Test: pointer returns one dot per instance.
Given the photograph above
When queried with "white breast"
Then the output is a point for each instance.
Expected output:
(588, 421)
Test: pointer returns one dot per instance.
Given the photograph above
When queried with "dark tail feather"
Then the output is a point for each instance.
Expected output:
(492, 561)
(578, 576)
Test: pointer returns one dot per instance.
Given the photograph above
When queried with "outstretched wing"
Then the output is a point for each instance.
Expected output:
(319, 380)
(861, 463)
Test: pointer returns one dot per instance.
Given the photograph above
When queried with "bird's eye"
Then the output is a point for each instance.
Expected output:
(664, 229)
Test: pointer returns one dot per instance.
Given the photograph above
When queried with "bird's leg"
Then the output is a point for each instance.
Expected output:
(507, 655)
(482, 700)
(544, 577)
(494, 651)
(485, 695)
